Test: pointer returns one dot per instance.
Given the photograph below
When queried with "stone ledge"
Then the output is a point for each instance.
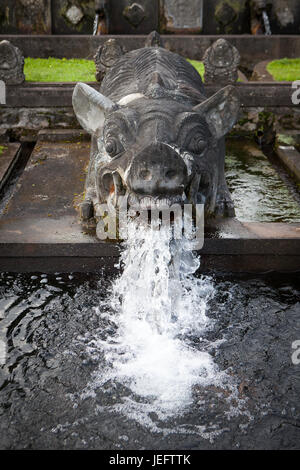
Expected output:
(290, 157)
(51, 95)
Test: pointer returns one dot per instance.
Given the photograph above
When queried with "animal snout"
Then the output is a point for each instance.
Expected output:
(157, 170)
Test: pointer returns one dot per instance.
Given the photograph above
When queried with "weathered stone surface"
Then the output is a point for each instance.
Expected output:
(221, 62)
(63, 135)
(25, 16)
(133, 17)
(285, 17)
(226, 17)
(134, 13)
(76, 17)
(177, 17)
(11, 64)
(154, 40)
(74, 14)
(290, 158)
(47, 195)
(28, 121)
(260, 72)
(106, 56)
(147, 98)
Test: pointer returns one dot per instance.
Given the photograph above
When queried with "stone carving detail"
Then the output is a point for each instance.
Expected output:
(180, 17)
(74, 14)
(11, 64)
(156, 139)
(221, 62)
(106, 56)
(134, 13)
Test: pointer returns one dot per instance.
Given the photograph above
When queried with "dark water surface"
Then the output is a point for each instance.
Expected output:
(258, 192)
(46, 365)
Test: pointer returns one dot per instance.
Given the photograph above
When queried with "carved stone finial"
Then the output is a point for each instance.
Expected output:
(154, 40)
(221, 62)
(106, 56)
(11, 64)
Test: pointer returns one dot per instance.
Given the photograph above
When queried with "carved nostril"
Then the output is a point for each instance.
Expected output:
(171, 174)
(146, 175)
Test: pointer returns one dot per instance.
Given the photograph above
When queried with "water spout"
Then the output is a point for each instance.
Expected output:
(95, 26)
(101, 18)
(265, 16)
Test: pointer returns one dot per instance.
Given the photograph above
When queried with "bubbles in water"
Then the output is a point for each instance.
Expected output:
(158, 308)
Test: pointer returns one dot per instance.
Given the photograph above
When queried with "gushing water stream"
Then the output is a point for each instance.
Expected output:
(268, 31)
(160, 307)
(95, 25)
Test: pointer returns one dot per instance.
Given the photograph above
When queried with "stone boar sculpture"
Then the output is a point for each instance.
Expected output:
(156, 138)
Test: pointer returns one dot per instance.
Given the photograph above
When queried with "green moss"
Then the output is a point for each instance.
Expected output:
(284, 139)
(284, 70)
(2, 148)
(59, 70)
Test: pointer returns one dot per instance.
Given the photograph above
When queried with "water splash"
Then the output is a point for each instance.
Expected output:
(159, 309)
(95, 25)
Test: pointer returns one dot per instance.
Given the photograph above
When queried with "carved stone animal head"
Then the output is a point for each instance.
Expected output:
(156, 144)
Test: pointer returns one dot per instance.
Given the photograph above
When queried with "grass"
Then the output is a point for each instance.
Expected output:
(59, 70)
(72, 70)
(199, 66)
(285, 70)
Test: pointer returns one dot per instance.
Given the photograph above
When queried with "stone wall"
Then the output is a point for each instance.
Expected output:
(169, 16)
(25, 17)
(24, 123)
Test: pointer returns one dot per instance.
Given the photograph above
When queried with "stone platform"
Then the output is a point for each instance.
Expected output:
(40, 229)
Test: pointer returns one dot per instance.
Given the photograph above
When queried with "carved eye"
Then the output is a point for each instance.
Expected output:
(197, 144)
(113, 147)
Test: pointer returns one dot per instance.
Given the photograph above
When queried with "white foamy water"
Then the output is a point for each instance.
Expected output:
(157, 306)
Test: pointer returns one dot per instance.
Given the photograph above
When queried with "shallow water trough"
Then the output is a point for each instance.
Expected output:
(40, 230)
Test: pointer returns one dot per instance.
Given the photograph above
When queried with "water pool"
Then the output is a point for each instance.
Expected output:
(47, 327)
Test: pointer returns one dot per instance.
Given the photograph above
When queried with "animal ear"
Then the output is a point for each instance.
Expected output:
(220, 110)
(90, 107)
